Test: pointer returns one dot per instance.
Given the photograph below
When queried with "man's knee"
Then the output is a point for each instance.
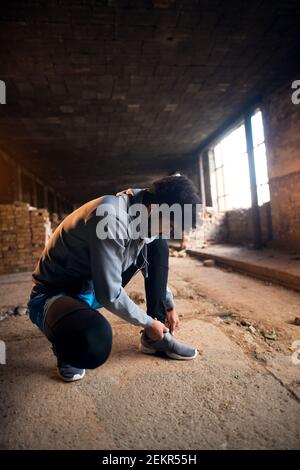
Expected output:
(82, 338)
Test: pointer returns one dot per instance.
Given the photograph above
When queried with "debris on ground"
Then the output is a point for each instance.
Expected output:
(227, 318)
(10, 310)
(267, 334)
(272, 335)
(251, 329)
(244, 322)
(208, 263)
(260, 357)
(136, 297)
(177, 254)
(297, 321)
(181, 254)
(20, 310)
(6, 311)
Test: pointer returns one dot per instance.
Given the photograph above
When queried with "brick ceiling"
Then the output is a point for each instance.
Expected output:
(106, 94)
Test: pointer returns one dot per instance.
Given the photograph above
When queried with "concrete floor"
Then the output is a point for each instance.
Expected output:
(242, 391)
(266, 264)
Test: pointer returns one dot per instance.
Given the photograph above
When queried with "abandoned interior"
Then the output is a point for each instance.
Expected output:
(103, 95)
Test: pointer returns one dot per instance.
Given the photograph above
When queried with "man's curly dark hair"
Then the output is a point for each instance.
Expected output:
(175, 189)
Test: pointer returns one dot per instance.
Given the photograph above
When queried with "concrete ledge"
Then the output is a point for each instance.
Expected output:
(241, 261)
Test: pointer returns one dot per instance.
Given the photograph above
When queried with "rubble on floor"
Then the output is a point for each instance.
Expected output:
(10, 310)
(136, 297)
(208, 263)
(177, 253)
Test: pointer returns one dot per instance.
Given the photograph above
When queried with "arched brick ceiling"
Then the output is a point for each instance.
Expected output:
(105, 94)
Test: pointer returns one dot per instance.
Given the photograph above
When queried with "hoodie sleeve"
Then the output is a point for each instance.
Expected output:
(169, 299)
(106, 258)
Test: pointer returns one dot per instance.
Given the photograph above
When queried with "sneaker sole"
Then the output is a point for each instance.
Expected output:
(182, 358)
(146, 350)
(71, 379)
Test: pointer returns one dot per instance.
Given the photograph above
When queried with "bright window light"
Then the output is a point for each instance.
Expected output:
(230, 179)
(260, 158)
(231, 172)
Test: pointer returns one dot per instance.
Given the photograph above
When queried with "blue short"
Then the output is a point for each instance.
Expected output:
(40, 302)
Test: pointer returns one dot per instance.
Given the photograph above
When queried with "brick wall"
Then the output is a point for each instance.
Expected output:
(239, 225)
(24, 230)
(282, 130)
(212, 229)
(285, 194)
(235, 226)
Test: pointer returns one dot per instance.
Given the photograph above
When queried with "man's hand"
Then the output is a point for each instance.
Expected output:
(156, 330)
(173, 321)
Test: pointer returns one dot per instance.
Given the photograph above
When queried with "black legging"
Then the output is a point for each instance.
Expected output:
(156, 281)
(82, 337)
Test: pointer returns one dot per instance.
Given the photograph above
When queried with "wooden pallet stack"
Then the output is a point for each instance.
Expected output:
(8, 238)
(40, 231)
(23, 233)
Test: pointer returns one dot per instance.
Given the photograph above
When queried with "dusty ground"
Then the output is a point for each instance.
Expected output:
(242, 391)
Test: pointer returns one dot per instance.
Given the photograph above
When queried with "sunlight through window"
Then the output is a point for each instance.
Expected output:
(230, 179)
(261, 170)
(231, 172)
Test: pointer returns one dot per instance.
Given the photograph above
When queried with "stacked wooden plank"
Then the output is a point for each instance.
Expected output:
(8, 238)
(23, 233)
(40, 231)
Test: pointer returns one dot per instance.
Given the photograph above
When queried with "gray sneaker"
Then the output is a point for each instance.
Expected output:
(169, 346)
(69, 373)
(66, 372)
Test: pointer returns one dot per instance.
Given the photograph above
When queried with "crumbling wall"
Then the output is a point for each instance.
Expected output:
(24, 230)
(214, 225)
(235, 226)
(282, 131)
(213, 229)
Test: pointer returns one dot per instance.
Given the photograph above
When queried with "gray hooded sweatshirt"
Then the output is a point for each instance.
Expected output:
(75, 260)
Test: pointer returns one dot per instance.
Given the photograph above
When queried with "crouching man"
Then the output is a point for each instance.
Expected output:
(89, 259)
